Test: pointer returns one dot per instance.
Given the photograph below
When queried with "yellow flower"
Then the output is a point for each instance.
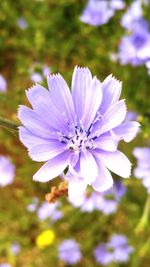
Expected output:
(45, 239)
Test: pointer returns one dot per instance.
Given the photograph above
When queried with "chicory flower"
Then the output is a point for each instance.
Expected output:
(7, 171)
(78, 129)
(69, 251)
(142, 154)
(98, 12)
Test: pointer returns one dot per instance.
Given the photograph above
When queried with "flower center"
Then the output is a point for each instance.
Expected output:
(139, 41)
(80, 141)
(78, 138)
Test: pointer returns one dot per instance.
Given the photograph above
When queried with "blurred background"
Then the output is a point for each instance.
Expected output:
(39, 37)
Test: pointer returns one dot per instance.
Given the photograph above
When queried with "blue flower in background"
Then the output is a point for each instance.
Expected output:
(7, 171)
(51, 211)
(111, 198)
(15, 248)
(103, 255)
(120, 247)
(134, 49)
(46, 70)
(69, 251)
(33, 205)
(132, 15)
(3, 84)
(116, 250)
(22, 23)
(36, 77)
(106, 202)
(79, 130)
(98, 12)
(142, 154)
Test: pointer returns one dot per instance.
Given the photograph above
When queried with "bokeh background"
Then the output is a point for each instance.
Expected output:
(35, 35)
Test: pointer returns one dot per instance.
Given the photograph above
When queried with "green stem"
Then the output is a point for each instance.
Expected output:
(9, 125)
(144, 219)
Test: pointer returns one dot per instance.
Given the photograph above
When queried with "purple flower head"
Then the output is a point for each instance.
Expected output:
(22, 23)
(111, 198)
(100, 201)
(116, 250)
(133, 14)
(3, 84)
(108, 206)
(69, 251)
(49, 211)
(33, 205)
(121, 250)
(98, 12)
(143, 169)
(15, 248)
(102, 255)
(7, 171)
(36, 77)
(117, 241)
(119, 190)
(117, 4)
(134, 49)
(79, 129)
(87, 203)
(90, 202)
(38, 72)
(46, 71)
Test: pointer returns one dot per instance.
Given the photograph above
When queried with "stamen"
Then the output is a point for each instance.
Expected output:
(78, 138)
(63, 142)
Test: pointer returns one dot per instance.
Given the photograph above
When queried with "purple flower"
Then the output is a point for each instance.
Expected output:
(102, 255)
(15, 248)
(36, 77)
(22, 23)
(121, 250)
(86, 202)
(117, 241)
(105, 202)
(69, 251)
(133, 14)
(33, 205)
(111, 198)
(46, 71)
(80, 130)
(143, 168)
(108, 206)
(119, 190)
(117, 4)
(116, 250)
(49, 211)
(134, 49)
(3, 84)
(98, 12)
(7, 171)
